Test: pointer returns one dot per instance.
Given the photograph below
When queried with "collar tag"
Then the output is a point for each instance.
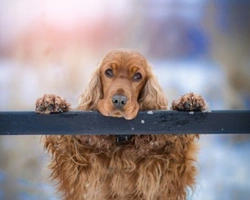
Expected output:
(123, 139)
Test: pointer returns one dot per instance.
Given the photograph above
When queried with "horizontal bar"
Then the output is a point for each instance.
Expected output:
(146, 122)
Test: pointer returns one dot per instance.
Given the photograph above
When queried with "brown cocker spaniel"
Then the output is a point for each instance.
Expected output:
(137, 167)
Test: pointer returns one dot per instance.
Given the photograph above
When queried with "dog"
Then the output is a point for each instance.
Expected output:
(136, 167)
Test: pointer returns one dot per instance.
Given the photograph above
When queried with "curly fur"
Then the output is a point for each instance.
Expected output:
(150, 167)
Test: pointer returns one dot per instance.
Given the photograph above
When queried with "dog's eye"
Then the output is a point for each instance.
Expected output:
(109, 73)
(137, 76)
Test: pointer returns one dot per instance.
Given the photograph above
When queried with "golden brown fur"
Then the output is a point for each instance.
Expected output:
(149, 167)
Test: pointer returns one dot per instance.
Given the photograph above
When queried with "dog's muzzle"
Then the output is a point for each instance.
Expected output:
(123, 139)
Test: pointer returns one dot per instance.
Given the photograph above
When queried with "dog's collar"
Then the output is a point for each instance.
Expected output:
(123, 139)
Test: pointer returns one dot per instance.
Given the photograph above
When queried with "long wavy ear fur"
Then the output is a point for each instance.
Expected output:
(152, 96)
(93, 93)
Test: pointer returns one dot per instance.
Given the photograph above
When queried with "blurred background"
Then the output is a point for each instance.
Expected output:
(52, 46)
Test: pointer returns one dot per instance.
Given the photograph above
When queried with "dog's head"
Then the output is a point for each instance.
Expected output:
(123, 84)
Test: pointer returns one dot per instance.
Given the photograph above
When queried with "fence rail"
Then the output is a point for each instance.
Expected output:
(147, 122)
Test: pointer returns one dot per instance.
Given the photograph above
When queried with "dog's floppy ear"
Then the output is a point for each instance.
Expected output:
(152, 96)
(93, 93)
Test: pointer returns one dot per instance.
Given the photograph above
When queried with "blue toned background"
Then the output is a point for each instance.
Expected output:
(52, 46)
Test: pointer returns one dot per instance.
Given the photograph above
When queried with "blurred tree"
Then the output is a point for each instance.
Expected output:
(228, 24)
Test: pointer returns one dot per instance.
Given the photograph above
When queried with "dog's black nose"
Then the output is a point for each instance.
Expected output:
(119, 101)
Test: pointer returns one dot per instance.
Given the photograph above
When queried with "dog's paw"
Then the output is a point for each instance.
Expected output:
(51, 103)
(190, 102)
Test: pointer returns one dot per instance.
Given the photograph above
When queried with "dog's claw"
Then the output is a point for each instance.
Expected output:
(190, 102)
(50, 103)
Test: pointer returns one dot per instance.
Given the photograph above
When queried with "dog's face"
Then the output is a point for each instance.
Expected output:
(123, 84)
(123, 76)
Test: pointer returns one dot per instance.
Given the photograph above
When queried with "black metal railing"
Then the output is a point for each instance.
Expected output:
(146, 122)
